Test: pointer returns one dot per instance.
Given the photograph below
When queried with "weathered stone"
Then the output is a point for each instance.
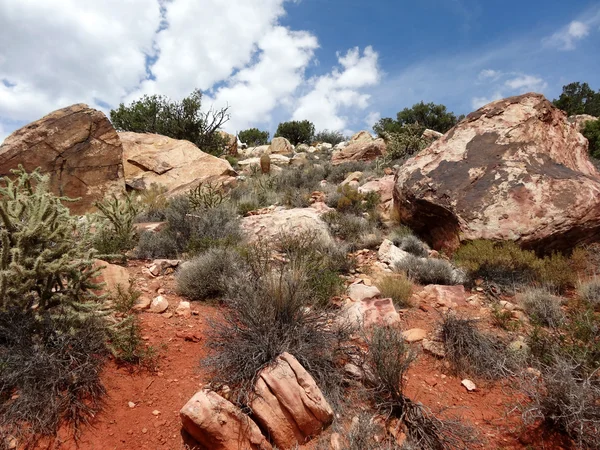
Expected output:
(184, 309)
(469, 385)
(324, 147)
(580, 120)
(360, 292)
(281, 146)
(354, 176)
(513, 170)
(289, 404)
(77, 147)
(383, 186)
(359, 151)
(159, 305)
(370, 312)
(113, 276)
(390, 254)
(177, 165)
(217, 424)
(448, 296)
(414, 335)
(434, 347)
(362, 136)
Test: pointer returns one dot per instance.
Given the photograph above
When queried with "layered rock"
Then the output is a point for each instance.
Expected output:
(364, 148)
(217, 424)
(178, 165)
(513, 170)
(77, 147)
(288, 404)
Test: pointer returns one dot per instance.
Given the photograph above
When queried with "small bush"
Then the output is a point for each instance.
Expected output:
(413, 245)
(471, 352)
(429, 271)
(542, 307)
(206, 195)
(330, 137)
(254, 137)
(205, 276)
(398, 234)
(153, 203)
(297, 132)
(337, 174)
(398, 288)
(556, 273)
(591, 131)
(589, 292)
(53, 362)
(407, 141)
(356, 231)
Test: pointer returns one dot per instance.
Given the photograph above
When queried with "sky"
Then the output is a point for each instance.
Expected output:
(342, 64)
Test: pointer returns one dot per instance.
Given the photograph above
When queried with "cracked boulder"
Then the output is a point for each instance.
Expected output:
(288, 404)
(515, 169)
(177, 165)
(77, 147)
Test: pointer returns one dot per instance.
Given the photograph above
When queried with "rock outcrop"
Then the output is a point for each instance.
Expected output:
(288, 404)
(217, 424)
(178, 165)
(77, 147)
(580, 120)
(363, 148)
(281, 146)
(513, 170)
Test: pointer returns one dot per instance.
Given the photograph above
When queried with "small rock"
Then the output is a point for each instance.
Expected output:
(167, 315)
(156, 412)
(154, 270)
(144, 430)
(507, 305)
(535, 372)
(142, 303)
(354, 371)
(336, 442)
(159, 305)
(469, 385)
(434, 347)
(360, 292)
(184, 309)
(131, 404)
(414, 335)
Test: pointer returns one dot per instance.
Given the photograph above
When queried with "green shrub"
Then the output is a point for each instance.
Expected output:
(542, 307)
(352, 229)
(116, 231)
(427, 115)
(589, 292)
(205, 277)
(347, 199)
(429, 271)
(297, 132)
(472, 352)
(555, 272)
(405, 142)
(398, 288)
(413, 245)
(330, 137)
(254, 137)
(183, 119)
(206, 195)
(591, 131)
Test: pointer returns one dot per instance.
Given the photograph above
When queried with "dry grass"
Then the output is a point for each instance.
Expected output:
(398, 288)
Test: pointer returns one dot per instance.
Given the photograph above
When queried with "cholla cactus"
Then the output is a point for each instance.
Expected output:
(265, 164)
(42, 260)
(206, 195)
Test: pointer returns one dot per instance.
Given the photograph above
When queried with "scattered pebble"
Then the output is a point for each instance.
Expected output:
(469, 385)
(131, 404)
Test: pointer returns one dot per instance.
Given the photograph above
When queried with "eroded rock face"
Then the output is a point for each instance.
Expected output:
(362, 149)
(218, 424)
(178, 165)
(513, 170)
(77, 147)
(580, 120)
(288, 403)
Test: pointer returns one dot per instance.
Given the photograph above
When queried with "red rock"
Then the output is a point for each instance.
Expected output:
(359, 151)
(513, 170)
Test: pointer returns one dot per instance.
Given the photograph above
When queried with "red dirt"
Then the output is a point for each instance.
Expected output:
(490, 410)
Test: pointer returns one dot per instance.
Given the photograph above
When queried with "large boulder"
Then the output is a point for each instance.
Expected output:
(281, 146)
(77, 147)
(513, 170)
(363, 149)
(218, 424)
(178, 165)
(288, 404)
(285, 221)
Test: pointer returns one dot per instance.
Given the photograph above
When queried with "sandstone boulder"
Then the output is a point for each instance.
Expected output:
(390, 254)
(362, 136)
(360, 150)
(112, 276)
(370, 312)
(178, 165)
(77, 147)
(252, 152)
(288, 404)
(218, 424)
(513, 170)
(359, 292)
(297, 220)
(580, 120)
(281, 146)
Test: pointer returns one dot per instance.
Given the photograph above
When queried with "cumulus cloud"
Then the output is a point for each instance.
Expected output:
(506, 84)
(489, 74)
(526, 83)
(104, 53)
(566, 38)
(334, 95)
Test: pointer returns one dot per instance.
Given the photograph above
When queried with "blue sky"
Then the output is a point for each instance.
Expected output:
(341, 64)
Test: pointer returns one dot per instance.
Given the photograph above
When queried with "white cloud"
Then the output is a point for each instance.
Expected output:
(488, 74)
(526, 83)
(566, 38)
(58, 52)
(372, 118)
(334, 95)
(3, 134)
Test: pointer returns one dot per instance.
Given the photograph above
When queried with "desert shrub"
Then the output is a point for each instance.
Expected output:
(427, 115)
(407, 141)
(116, 231)
(153, 203)
(183, 119)
(356, 231)
(254, 137)
(53, 362)
(337, 174)
(191, 231)
(591, 131)
(256, 192)
(205, 276)
(398, 234)
(472, 352)
(330, 137)
(413, 245)
(555, 272)
(429, 271)
(389, 359)
(347, 199)
(567, 400)
(398, 288)
(542, 307)
(266, 315)
(297, 132)
(206, 195)
(589, 292)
